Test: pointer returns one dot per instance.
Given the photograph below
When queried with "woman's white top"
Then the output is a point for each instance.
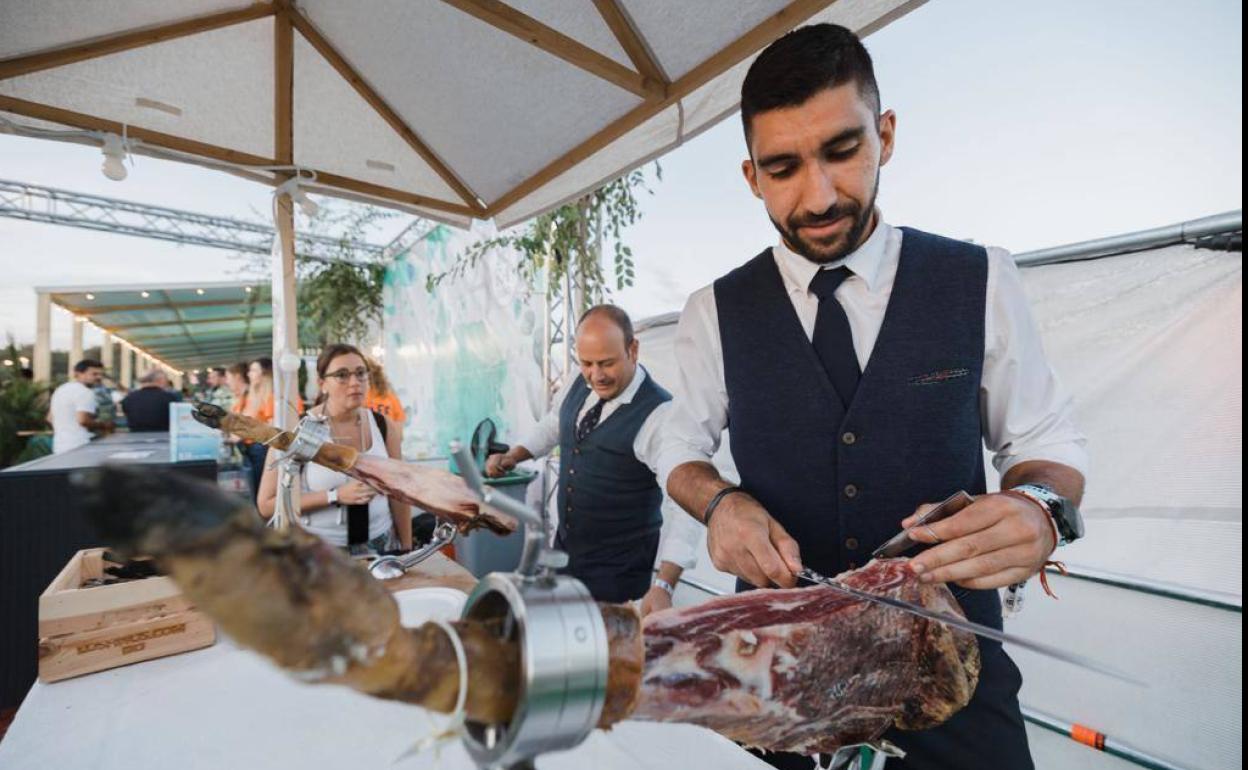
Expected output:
(330, 522)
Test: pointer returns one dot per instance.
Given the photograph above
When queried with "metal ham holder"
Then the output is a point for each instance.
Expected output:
(564, 651)
(562, 640)
(309, 436)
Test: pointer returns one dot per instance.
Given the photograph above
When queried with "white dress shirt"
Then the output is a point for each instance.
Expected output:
(544, 437)
(1025, 412)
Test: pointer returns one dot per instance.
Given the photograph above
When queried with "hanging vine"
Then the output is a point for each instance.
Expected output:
(572, 236)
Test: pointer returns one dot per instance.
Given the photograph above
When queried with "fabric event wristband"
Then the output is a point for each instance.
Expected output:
(1057, 539)
(666, 586)
(715, 501)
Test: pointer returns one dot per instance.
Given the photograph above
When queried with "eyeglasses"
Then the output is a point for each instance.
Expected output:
(343, 376)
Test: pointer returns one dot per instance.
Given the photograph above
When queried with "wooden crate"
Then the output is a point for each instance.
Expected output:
(83, 630)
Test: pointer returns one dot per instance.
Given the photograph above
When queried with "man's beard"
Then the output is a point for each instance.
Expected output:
(821, 253)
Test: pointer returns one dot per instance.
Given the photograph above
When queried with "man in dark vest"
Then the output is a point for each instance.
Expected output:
(861, 369)
(607, 425)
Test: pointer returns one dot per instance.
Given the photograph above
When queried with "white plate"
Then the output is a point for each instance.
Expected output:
(420, 605)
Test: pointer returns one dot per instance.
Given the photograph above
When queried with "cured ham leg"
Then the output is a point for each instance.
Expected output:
(796, 670)
(303, 603)
(810, 669)
(440, 492)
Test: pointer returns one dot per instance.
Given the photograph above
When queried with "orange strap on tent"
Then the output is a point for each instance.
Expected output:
(1088, 737)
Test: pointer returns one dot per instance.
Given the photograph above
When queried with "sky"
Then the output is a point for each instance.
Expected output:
(1022, 125)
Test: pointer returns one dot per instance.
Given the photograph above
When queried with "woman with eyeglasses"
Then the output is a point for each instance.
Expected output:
(343, 511)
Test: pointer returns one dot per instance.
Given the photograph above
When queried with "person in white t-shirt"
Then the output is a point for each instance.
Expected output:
(73, 409)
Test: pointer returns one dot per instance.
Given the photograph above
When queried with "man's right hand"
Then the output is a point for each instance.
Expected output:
(745, 540)
(498, 465)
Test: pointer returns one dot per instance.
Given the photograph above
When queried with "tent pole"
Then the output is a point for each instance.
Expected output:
(106, 354)
(75, 347)
(285, 324)
(43, 338)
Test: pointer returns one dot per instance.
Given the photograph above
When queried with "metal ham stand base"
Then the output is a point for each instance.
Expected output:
(553, 618)
(562, 639)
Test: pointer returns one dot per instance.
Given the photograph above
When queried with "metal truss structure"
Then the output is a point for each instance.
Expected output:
(36, 203)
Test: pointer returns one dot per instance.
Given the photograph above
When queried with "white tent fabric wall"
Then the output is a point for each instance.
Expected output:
(469, 352)
(1151, 346)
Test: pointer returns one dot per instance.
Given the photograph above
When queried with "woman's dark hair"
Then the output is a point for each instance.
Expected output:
(802, 63)
(266, 364)
(239, 370)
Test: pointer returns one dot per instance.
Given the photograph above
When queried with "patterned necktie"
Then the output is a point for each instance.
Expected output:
(833, 340)
(590, 420)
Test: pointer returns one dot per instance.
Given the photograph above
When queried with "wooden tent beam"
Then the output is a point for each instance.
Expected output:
(734, 53)
(630, 39)
(223, 154)
(91, 49)
(156, 138)
(387, 113)
(507, 19)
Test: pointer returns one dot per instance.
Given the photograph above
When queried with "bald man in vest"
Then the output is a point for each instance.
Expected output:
(606, 424)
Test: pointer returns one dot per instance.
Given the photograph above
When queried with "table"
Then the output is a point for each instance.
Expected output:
(226, 707)
(42, 526)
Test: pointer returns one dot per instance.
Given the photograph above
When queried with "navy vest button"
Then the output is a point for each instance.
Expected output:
(851, 490)
(848, 438)
(851, 544)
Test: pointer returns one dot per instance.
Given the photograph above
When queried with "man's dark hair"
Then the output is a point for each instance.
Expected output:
(87, 363)
(616, 315)
(802, 63)
(218, 370)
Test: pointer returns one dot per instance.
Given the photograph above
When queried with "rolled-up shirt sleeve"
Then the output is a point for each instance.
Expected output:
(1027, 413)
(681, 534)
(544, 436)
(682, 537)
(699, 409)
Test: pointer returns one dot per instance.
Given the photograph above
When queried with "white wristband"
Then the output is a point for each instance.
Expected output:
(332, 496)
(666, 586)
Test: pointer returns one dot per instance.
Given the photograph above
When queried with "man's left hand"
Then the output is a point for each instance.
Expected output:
(655, 599)
(996, 541)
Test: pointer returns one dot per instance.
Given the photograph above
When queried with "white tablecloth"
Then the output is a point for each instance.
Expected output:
(226, 707)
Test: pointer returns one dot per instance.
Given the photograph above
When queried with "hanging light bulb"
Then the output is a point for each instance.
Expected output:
(114, 157)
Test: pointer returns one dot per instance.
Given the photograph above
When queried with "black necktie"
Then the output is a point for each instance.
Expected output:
(589, 421)
(833, 341)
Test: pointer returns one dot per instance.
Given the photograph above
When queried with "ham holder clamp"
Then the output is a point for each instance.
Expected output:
(564, 651)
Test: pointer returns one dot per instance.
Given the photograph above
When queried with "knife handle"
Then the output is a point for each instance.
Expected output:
(902, 542)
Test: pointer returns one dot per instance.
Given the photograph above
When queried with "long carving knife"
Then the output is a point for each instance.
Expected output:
(962, 624)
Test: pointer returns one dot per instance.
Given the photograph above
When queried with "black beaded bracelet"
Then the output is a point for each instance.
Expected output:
(715, 501)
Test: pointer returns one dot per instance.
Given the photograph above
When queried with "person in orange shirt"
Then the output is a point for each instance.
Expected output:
(381, 398)
(260, 403)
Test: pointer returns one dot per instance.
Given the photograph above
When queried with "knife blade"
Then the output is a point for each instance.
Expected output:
(970, 626)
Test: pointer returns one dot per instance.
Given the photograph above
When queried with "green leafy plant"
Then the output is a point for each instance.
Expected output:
(23, 406)
(571, 237)
(338, 300)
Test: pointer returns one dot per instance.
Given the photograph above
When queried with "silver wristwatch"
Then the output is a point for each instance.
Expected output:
(332, 496)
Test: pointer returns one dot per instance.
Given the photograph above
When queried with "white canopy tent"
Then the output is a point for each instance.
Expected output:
(451, 109)
(455, 109)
